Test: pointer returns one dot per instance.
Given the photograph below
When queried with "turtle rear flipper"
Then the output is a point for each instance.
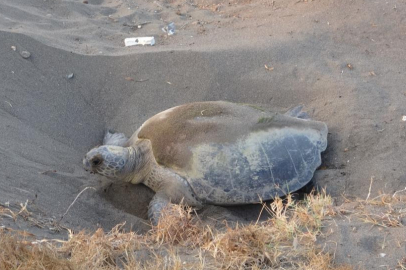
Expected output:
(297, 112)
(111, 138)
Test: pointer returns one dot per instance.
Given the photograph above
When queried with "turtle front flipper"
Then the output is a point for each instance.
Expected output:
(157, 204)
(117, 139)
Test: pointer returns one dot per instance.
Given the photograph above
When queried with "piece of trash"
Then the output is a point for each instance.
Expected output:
(14, 48)
(168, 82)
(169, 29)
(350, 66)
(404, 118)
(143, 23)
(25, 54)
(141, 80)
(139, 41)
(70, 76)
(382, 255)
(269, 68)
(129, 79)
(47, 171)
(8, 103)
(136, 26)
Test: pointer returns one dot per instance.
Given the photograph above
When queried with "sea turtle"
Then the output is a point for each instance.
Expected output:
(214, 152)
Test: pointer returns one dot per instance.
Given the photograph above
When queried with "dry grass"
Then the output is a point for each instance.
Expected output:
(180, 226)
(384, 210)
(402, 264)
(182, 241)
(17, 253)
(21, 211)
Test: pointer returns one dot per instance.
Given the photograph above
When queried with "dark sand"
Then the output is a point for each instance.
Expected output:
(344, 60)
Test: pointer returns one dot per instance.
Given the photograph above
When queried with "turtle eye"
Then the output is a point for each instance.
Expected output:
(96, 161)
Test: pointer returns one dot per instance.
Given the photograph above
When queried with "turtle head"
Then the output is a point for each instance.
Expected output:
(107, 160)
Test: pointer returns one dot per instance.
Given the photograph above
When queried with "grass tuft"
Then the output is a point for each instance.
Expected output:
(182, 241)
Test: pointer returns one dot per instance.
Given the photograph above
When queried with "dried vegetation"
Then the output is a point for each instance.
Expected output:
(182, 241)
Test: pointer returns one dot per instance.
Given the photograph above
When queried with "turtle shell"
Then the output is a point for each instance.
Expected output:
(235, 153)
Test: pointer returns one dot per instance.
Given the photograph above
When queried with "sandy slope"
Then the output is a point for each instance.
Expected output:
(345, 61)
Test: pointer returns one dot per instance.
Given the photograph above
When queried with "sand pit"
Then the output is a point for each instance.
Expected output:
(344, 61)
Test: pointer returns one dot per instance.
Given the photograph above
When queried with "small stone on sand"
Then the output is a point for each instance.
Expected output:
(25, 54)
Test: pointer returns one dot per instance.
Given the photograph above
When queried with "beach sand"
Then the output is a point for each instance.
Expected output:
(343, 60)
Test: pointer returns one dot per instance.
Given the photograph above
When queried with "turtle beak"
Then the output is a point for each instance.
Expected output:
(86, 165)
